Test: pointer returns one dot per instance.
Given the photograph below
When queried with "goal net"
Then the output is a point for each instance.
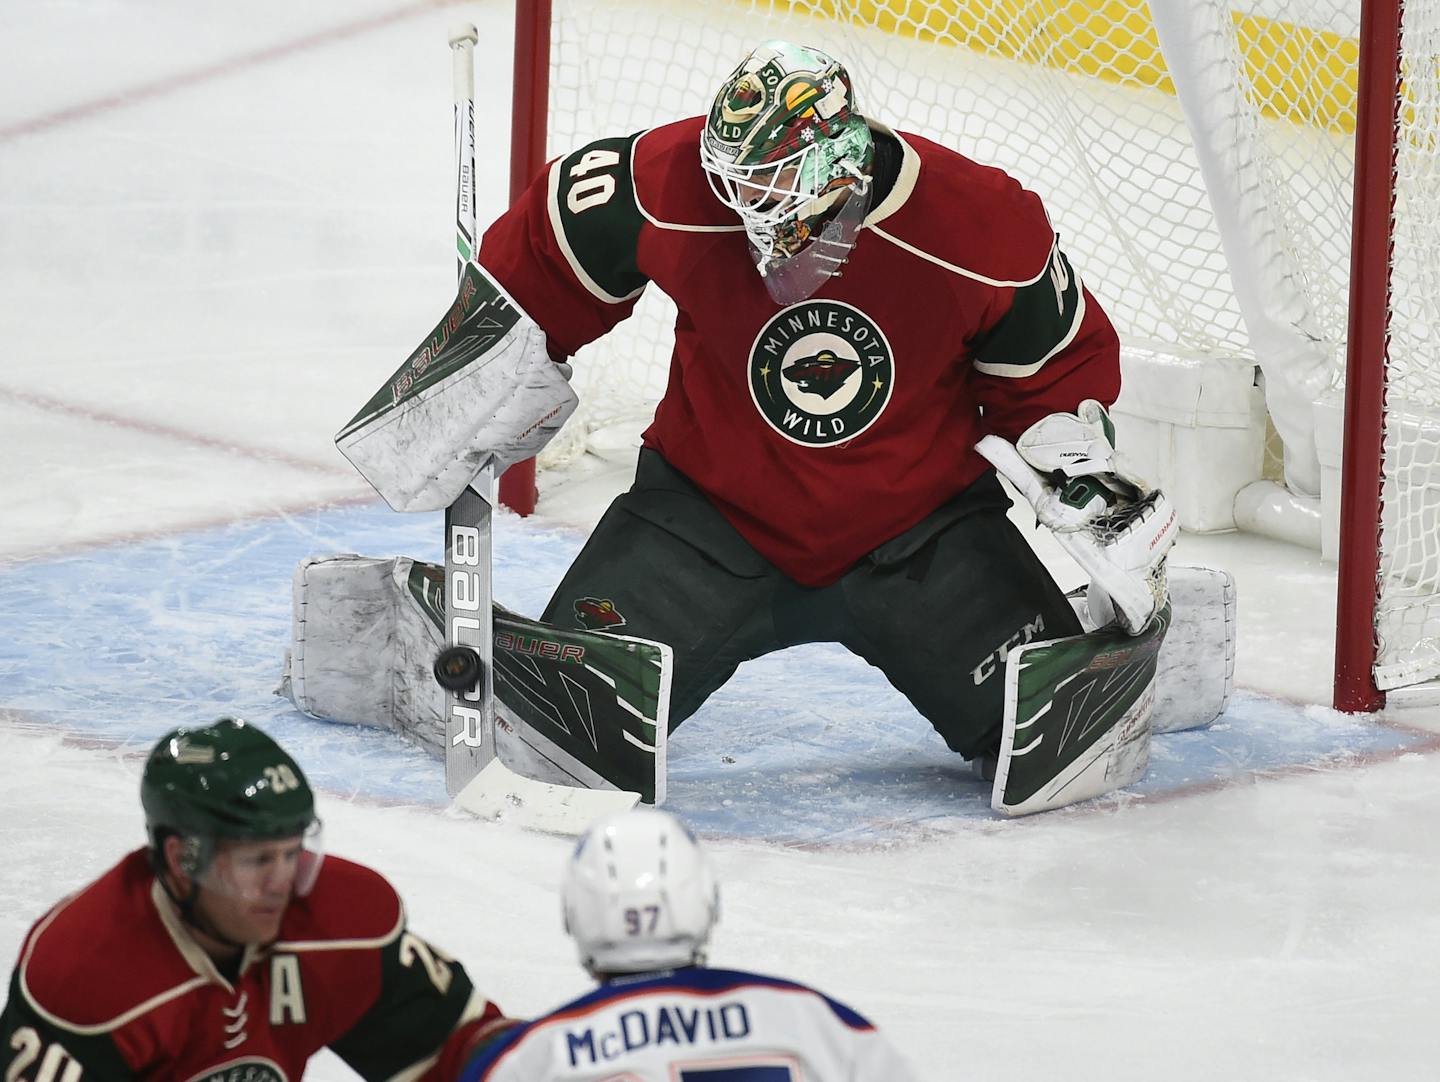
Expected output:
(1197, 160)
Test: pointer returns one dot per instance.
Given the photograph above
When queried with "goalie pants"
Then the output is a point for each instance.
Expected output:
(934, 609)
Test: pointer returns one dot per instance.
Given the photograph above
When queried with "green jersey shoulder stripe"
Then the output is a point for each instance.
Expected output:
(595, 217)
(1044, 317)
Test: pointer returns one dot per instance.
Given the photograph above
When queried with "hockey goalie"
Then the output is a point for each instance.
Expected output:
(870, 326)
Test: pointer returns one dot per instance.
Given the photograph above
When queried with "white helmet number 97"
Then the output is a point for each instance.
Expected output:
(642, 920)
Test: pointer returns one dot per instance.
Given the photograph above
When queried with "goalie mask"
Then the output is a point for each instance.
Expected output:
(785, 149)
(639, 895)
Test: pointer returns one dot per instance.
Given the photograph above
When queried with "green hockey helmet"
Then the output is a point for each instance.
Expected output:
(226, 781)
(785, 148)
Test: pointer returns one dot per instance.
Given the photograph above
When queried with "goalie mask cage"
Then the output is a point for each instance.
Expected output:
(1197, 158)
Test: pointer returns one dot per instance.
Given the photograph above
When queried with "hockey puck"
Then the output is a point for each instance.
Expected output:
(458, 668)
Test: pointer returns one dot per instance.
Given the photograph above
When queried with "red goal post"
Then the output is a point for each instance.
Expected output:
(1197, 158)
(1358, 591)
(529, 104)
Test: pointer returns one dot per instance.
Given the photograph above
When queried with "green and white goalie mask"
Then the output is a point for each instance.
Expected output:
(785, 149)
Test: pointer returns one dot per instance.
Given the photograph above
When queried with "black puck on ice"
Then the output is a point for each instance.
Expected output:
(458, 668)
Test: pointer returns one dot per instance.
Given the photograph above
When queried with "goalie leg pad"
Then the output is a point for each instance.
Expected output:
(1077, 717)
(1197, 661)
(364, 634)
(578, 708)
(1196, 671)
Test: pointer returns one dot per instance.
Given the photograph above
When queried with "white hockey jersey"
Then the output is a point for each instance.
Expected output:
(694, 1025)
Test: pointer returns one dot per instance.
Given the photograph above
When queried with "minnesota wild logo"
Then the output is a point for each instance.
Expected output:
(744, 99)
(598, 614)
(245, 1070)
(821, 372)
(753, 115)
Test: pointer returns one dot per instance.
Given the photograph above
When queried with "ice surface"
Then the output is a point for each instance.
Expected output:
(219, 230)
(809, 746)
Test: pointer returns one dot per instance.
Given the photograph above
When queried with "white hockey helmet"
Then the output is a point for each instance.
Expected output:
(639, 894)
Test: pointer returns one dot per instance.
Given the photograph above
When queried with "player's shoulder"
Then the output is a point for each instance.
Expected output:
(653, 175)
(720, 981)
(671, 190)
(350, 905)
(102, 954)
(975, 220)
(609, 196)
(704, 982)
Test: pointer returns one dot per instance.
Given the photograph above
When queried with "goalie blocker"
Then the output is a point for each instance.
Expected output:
(480, 390)
(478, 394)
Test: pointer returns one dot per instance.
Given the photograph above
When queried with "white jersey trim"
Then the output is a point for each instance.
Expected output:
(1020, 371)
(295, 946)
(119, 1020)
(896, 198)
(962, 271)
(660, 223)
(904, 184)
(194, 955)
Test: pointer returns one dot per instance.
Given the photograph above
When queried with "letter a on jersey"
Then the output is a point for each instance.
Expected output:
(287, 993)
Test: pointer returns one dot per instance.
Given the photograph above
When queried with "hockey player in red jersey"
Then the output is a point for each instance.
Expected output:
(640, 900)
(231, 948)
(858, 307)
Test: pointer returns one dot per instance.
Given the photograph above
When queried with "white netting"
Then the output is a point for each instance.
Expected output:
(1077, 101)
(1408, 614)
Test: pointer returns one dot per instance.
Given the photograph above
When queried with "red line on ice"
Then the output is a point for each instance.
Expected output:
(154, 428)
(181, 80)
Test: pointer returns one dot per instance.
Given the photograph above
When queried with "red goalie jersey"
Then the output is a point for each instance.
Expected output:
(110, 985)
(825, 428)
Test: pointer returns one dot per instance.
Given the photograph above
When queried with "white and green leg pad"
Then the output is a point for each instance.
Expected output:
(1078, 715)
(1196, 671)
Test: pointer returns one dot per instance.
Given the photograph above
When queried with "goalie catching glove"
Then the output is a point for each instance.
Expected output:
(1116, 528)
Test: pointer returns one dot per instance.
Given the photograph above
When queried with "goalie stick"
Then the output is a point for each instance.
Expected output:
(475, 773)
(469, 713)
